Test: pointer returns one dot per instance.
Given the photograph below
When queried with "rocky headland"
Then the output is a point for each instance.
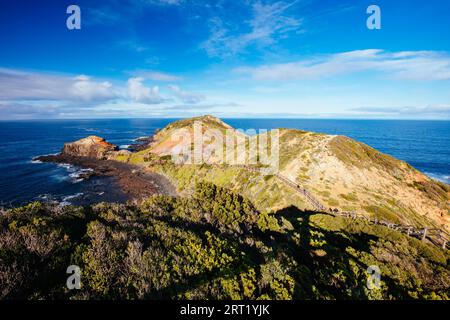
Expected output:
(335, 171)
(93, 152)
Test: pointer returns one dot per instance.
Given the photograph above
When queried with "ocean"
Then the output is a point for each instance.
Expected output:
(423, 144)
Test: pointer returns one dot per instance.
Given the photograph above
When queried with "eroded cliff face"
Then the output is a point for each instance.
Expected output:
(92, 147)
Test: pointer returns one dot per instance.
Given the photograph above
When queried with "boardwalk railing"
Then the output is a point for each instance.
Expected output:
(436, 236)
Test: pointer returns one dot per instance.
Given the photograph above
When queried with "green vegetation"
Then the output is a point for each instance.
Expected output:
(434, 190)
(360, 155)
(304, 159)
(332, 202)
(291, 142)
(206, 121)
(383, 212)
(266, 192)
(213, 244)
(352, 197)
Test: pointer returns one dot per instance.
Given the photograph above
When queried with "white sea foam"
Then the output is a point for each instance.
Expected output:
(35, 160)
(140, 138)
(77, 175)
(48, 198)
(64, 204)
(440, 177)
(59, 177)
(124, 146)
(73, 196)
(65, 201)
(65, 166)
(46, 155)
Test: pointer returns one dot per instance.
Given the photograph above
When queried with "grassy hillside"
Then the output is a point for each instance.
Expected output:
(213, 244)
(352, 176)
(265, 191)
(340, 172)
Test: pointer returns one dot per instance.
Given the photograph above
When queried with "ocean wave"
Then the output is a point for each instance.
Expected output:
(76, 174)
(61, 201)
(80, 174)
(59, 177)
(440, 177)
(66, 166)
(44, 196)
(72, 196)
(124, 146)
(47, 198)
(35, 159)
(141, 138)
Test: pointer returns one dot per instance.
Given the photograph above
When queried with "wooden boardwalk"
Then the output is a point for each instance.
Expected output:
(436, 236)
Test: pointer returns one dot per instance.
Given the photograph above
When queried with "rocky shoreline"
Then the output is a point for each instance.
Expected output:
(142, 143)
(92, 153)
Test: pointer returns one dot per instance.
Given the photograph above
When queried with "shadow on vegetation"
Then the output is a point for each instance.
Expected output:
(213, 246)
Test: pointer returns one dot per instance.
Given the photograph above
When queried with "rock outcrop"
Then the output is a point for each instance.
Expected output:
(92, 147)
(94, 152)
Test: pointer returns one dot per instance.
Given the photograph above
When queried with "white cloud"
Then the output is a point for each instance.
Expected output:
(132, 45)
(269, 22)
(140, 93)
(23, 85)
(404, 65)
(433, 110)
(119, 11)
(13, 110)
(26, 94)
(86, 89)
(155, 75)
(171, 2)
(186, 97)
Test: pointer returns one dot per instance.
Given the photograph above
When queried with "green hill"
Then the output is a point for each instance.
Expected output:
(338, 171)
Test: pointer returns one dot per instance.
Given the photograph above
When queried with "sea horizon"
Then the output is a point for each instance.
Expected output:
(225, 118)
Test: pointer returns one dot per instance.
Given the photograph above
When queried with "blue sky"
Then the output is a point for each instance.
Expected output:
(176, 58)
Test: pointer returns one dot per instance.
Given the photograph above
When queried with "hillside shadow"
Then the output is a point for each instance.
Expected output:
(325, 252)
(325, 259)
